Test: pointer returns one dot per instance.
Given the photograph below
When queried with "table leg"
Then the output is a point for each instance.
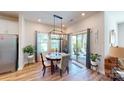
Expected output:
(52, 67)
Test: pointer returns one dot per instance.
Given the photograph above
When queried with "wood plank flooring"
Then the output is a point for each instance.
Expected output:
(33, 72)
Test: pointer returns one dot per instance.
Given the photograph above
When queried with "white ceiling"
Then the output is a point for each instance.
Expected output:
(69, 17)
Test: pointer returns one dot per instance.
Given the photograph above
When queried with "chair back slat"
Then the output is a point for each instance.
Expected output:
(42, 59)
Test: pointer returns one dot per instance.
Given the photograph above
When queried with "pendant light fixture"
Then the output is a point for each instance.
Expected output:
(57, 30)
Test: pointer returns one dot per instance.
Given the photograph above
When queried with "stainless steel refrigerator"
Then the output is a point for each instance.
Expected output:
(8, 53)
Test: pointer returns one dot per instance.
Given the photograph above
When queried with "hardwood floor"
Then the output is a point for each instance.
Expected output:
(34, 72)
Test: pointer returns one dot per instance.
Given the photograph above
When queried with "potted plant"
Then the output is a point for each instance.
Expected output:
(95, 58)
(29, 50)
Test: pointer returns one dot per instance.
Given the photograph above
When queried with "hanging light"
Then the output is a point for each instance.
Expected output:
(59, 31)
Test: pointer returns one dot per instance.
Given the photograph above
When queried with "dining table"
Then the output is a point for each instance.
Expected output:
(54, 57)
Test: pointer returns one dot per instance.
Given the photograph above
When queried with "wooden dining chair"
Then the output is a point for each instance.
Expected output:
(45, 64)
(64, 65)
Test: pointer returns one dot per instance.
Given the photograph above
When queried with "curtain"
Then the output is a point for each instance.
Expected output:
(68, 43)
(36, 46)
(88, 64)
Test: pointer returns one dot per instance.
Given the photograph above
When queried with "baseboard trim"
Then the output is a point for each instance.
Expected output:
(20, 68)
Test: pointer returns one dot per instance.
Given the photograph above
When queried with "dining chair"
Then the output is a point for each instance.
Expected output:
(45, 64)
(64, 65)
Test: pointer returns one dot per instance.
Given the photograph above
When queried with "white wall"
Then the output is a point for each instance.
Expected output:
(96, 23)
(111, 23)
(30, 29)
(8, 25)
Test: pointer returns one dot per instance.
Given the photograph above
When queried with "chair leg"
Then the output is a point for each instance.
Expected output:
(67, 69)
(44, 70)
(60, 72)
(56, 67)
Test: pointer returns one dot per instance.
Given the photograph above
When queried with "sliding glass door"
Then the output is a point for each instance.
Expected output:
(73, 48)
(81, 48)
(78, 48)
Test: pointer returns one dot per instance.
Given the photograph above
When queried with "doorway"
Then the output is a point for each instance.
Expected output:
(78, 47)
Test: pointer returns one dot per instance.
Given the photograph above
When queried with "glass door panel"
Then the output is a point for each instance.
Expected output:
(73, 48)
(78, 48)
(81, 48)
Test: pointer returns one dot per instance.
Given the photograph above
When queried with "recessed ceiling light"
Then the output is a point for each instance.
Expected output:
(63, 25)
(39, 20)
(83, 14)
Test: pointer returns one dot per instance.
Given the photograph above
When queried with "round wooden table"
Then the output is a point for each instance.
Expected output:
(53, 57)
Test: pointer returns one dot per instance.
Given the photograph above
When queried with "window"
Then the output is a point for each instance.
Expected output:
(55, 42)
(43, 42)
